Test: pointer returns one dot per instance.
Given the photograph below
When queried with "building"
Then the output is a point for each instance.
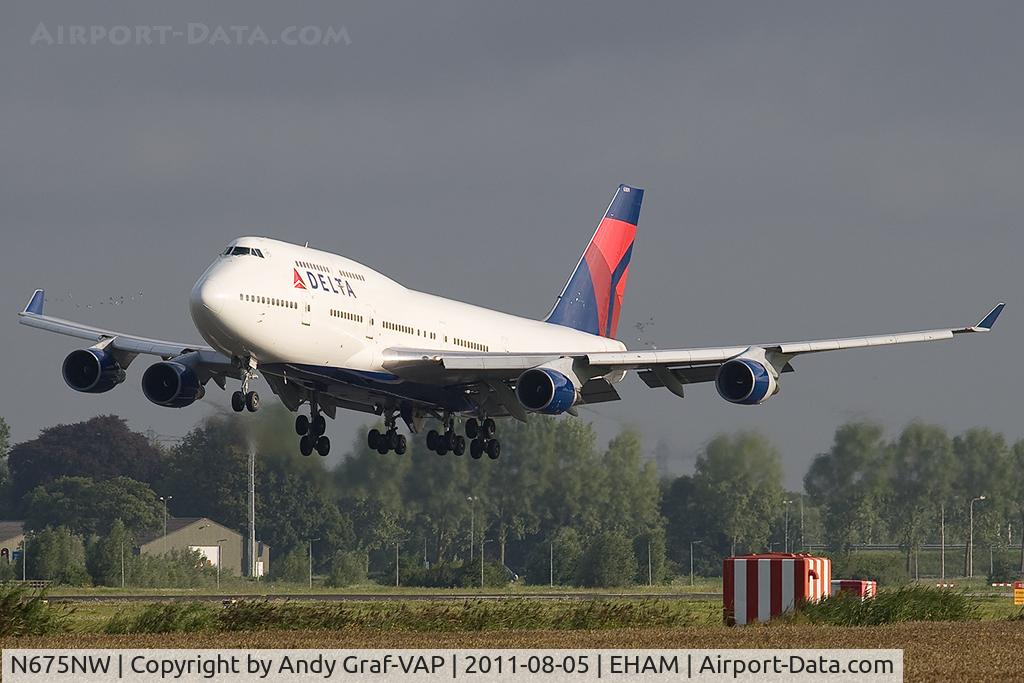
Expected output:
(12, 535)
(217, 543)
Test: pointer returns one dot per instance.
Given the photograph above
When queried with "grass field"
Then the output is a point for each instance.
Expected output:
(988, 648)
(980, 650)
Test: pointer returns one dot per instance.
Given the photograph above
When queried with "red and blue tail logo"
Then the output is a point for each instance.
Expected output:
(592, 299)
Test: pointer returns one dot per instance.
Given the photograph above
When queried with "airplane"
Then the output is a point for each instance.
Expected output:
(331, 333)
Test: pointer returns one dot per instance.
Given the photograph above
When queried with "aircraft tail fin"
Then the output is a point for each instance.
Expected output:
(592, 298)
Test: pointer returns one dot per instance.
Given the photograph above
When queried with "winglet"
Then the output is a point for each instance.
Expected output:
(989, 320)
(35, 304)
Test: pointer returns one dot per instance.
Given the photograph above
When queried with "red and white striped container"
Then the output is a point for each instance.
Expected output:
(760, 587)
(861, 588)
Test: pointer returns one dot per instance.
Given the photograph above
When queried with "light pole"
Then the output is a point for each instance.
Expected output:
(483, 542)
(942, 539)
(787, 503)
(122, 564)
(311, 562)
(398, 543)
(650, 574)
(472, 522)
(801, 522)
(164, 500)
(220, 557)
(24, 558)
(692, 543)
(970, 544)
(551, 564)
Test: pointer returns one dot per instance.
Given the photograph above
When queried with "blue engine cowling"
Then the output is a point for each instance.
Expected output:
(542, 390)
(92, 371)
(172, 384)
(745, 381)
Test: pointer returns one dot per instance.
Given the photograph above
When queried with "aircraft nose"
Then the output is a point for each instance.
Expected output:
(209, 295)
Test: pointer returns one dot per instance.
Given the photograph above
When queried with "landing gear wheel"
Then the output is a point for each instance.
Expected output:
(319, 425)
(458, 444)
(252, 401)
(373, 439)
(238, 401)
(489, 428)
(401, 444)
(306, 445)
(432, 439)
(323, 446)
(382, 446)
(493, 449)
(444, 444)
(472, 428)
(302, 425)
(476, 448)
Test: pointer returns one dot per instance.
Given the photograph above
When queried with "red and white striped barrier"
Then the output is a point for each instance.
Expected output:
(945, 585)
(760, 587)
(861, 588)
(1004, 584)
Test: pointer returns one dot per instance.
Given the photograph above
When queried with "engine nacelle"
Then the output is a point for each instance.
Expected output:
(746, 381)
(172, 384)
(92, 371)
(543, 390)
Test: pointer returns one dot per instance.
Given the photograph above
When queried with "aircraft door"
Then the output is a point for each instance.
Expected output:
(305, 306)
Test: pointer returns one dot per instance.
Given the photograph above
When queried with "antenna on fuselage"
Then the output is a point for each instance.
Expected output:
(306, 245)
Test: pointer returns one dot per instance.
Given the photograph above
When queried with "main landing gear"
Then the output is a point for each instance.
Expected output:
(312, 429)
(481, 434)
(245, 399)
(390, 440)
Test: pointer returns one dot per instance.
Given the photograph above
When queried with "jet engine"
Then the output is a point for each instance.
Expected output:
(172, 384)
(746, 381)
(543, 390)
(92, 371)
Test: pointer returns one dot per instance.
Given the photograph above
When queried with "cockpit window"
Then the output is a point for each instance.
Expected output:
(242, 251)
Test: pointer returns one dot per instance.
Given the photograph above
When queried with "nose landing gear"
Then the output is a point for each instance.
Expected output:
(245, 399)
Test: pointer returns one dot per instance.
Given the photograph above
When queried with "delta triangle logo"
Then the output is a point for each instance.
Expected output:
(297, 280)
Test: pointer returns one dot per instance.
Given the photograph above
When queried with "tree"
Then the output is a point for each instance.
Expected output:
(57, 555)
(100, 448)
(981, 466)
(561, 552)
(207, 473)
(608, 561)
(738, 480)
(849, 484)
(292, 567)
(922, 463)
(87, 507)
(109, 558)
(1016, 490)
(6, 503)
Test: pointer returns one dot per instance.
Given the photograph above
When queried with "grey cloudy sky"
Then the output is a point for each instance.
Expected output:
(812, 169)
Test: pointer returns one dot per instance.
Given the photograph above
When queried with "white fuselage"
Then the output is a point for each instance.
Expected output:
(293, 304)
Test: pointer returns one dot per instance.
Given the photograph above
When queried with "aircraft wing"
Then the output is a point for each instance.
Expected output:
(129, 344)
(671, 368)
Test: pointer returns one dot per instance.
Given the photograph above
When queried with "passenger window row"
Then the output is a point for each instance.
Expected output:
(268, 301)
(470, 344)
(407, 329)
(354, 317)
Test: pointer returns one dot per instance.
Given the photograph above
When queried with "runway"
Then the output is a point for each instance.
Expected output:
(380, 597)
